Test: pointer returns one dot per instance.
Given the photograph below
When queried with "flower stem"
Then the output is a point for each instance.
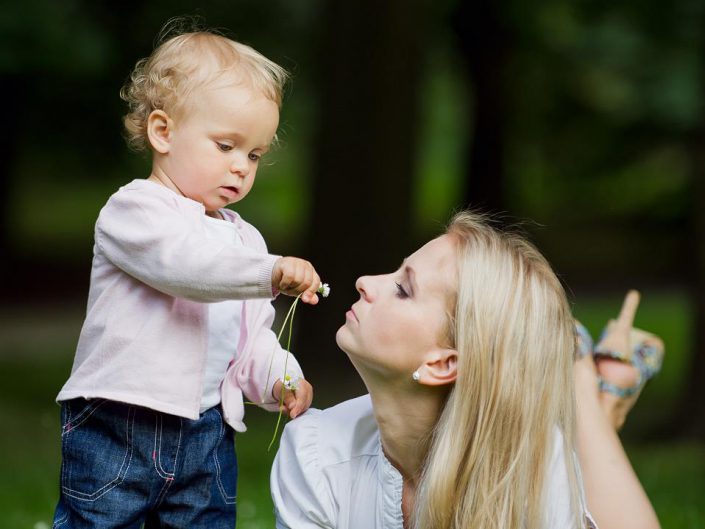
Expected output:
(274, 349)
(290, 318)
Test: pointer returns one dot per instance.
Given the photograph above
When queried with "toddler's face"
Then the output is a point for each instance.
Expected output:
(216, 143)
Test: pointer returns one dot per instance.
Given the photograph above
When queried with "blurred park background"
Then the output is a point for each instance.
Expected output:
(583, 120)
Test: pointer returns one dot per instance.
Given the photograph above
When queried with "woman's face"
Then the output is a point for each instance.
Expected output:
(400, 317)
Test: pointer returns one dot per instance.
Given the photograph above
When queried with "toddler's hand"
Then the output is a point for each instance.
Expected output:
(295, 401)
(293, 276)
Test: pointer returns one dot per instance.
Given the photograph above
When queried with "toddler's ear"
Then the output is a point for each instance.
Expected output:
(159, 127)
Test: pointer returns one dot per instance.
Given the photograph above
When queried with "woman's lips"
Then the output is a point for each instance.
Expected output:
(351, 314)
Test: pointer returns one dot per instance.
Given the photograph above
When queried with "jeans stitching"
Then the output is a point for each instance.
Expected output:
(178, 444)
(165, 488)
(67, 420)
(68, 427)
(68, 414)
(162, 493)
(62, 520)
(226, 497)
(121, 473)
(89, 410)
(158, 449)
(159, 459)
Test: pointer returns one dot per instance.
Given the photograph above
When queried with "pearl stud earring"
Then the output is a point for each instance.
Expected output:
(416, 376)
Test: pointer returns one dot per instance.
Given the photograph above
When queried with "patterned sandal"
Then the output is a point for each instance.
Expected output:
(645, 352)
(583, 341)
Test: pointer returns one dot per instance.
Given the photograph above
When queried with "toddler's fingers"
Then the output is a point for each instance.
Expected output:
(305, 285)
(304, 397)
(316, 282)
(293, 274)
(289, 281)
(298, 406)
(302, 278)
(288, 402)
(310, 298)
(311, 294)
(307, 276)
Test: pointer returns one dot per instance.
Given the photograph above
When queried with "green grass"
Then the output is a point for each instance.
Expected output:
(34, 361)
(673, 476)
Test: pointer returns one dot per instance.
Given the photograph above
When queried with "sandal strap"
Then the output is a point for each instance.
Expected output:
(584, 343)
(646, 355)
(648, 358)
(625, 357)
(619, 391)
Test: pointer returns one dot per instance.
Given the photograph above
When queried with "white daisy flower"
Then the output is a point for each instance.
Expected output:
(324, 290)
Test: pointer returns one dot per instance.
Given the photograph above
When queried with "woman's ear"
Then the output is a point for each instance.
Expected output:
(159, 127)
(440, 368)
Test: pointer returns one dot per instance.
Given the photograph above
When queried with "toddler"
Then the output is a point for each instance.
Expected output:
(177, 329)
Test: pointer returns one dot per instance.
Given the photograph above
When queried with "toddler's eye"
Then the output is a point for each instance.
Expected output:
(401, 293)
(254, 157)
(224, 147)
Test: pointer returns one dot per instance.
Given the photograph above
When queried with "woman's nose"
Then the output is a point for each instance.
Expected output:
(363, 286)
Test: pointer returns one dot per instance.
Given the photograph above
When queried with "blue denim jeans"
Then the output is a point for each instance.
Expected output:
(124, 466)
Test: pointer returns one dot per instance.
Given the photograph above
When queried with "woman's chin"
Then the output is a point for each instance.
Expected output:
(342, 338)
(347, 343)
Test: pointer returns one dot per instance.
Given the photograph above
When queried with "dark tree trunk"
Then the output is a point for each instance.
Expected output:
(692, 420)
(370, 59)
(483, 43)
(12, 90)
(687, 419)
(691, 412)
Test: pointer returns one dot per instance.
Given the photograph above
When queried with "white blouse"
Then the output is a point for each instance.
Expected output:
(330, 472)
(224, 320)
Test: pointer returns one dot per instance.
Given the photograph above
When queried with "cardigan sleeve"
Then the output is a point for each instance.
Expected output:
(149, 238)
(301, 500)
(264, 363)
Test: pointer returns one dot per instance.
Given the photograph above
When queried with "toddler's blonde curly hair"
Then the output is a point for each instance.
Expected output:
(167, 79)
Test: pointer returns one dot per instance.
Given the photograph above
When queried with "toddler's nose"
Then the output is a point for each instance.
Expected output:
(240, 165)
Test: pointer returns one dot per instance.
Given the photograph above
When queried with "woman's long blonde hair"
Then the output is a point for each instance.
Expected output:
(513, 330)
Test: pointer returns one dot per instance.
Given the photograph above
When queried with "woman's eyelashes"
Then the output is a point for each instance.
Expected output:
(401, 292)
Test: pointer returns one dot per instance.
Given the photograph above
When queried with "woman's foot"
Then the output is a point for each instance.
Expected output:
(588, 374)
(621, 375)
(625, 359)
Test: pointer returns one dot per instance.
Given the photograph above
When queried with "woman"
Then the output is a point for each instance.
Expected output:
(467, 353)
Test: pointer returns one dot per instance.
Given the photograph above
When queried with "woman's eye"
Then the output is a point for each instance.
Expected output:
(401, 293)
(224, 147)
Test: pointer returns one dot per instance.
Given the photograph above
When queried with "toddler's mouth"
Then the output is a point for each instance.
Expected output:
(234, 191)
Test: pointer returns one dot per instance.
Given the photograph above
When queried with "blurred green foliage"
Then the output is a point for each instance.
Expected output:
(602, 101)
